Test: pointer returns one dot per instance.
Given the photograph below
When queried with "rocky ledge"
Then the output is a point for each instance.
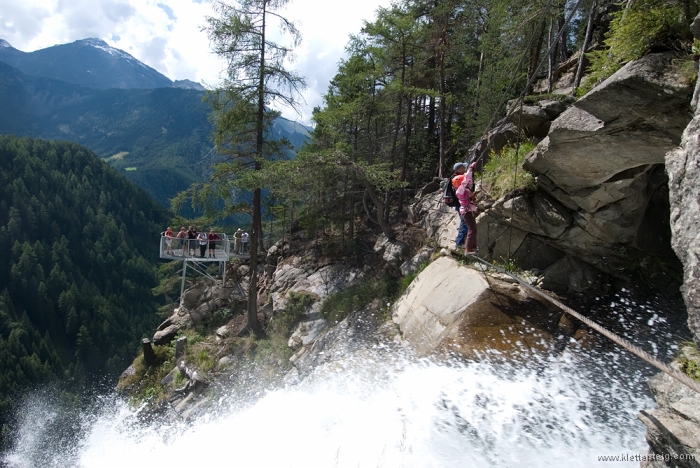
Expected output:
(673, 429)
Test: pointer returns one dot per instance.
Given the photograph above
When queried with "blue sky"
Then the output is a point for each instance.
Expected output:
(167, 35)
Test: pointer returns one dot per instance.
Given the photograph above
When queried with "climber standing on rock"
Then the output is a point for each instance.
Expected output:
(457, 177)
(467, 208)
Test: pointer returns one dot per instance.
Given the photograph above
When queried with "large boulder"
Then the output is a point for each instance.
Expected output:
(570, 275)
(454, 308)
(434, 300)
(632, 119)
(412, 265)
(532, 119)
(503, 134)
(538, 214)
(439, 220)
(302, 277)
(392, 250)
(351, 335)
(198, 304)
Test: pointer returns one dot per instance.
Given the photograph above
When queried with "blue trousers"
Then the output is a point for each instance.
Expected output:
(462, 231)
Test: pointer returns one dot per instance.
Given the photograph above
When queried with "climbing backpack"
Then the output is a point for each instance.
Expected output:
(449, 196)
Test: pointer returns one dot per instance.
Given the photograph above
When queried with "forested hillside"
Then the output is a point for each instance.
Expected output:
(77, 267)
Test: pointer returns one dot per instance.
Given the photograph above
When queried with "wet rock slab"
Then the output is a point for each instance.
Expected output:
(455, 309)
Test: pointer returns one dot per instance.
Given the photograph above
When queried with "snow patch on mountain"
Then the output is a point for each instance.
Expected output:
(102, 45)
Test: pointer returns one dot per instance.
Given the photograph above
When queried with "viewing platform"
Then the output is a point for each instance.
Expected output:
(193, 254)
(190, 250)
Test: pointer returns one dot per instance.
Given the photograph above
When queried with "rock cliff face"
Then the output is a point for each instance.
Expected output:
(683, 168)
(600, 170)
(305, 277)
(601, 205)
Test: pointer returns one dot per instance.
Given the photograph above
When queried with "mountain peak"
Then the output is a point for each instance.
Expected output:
(188, 84)
(87, 62)
(4, 43)
(94, 42)
(102, 45)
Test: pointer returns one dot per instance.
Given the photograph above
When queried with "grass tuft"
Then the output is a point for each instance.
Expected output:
(499, 175)
(690, 366)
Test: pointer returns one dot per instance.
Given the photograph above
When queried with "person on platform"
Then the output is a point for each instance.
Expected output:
(203, 240)
(192, 242)
(237, 241)
(212, 237)
(168, 234)
(244, 242)
(182, 237)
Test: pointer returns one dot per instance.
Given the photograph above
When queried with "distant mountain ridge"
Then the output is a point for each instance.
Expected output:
(158, 138)
(91, 63)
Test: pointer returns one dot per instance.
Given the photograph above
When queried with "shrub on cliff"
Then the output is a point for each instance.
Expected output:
(639, 28)
(500, 177)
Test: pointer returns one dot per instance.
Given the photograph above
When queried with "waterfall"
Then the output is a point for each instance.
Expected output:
(377, 407)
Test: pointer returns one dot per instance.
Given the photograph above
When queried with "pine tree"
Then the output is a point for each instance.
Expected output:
(257, 78)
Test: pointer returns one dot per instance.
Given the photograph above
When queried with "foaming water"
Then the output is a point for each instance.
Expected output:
(406, 413)
(379, 408)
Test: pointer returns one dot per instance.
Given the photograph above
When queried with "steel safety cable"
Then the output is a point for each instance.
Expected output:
(634, 349)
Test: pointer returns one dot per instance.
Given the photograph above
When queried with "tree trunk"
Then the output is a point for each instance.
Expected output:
(351, 214)
(404, 162)
(379, 205)
(535, 53)
(477, 103)
(552, 56)
(443, 111)
(291, 225)
(252, 324)
(561, 24)
(586, 43)
(431, 122)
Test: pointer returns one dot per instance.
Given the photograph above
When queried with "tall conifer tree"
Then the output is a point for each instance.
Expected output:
(256, 79)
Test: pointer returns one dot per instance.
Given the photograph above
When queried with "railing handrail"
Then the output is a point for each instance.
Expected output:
(223, 235)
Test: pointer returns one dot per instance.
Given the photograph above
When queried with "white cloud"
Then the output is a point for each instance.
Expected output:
(167, 34)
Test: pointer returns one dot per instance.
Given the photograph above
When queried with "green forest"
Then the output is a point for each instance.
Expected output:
(79, 262)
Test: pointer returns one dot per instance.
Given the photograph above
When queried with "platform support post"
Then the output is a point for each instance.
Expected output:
(182, 284)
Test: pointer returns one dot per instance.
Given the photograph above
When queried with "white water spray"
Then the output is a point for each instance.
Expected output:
(371, 408)
(371, 414)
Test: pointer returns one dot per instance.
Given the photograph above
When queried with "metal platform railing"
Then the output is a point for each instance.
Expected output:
(173, 248)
